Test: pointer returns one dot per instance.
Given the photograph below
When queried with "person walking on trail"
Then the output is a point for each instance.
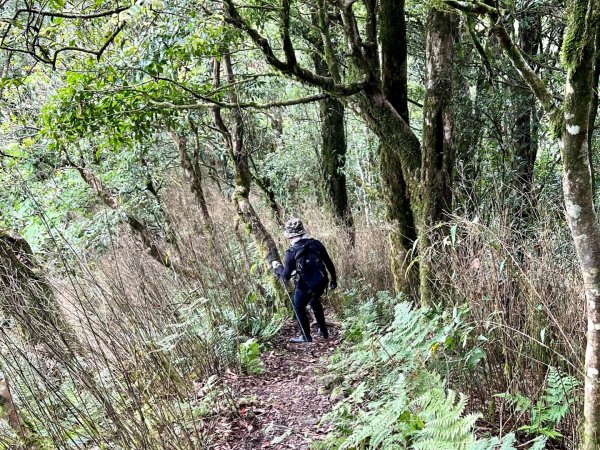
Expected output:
(306, 260)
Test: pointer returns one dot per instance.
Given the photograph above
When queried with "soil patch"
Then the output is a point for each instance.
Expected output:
(281, 408)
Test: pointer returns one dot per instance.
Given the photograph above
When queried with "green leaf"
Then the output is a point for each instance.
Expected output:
(453, 229)
(474, 357)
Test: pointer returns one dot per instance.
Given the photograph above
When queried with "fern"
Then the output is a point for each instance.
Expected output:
(495, 443)
(550, 409)
(392, 399)
(250, 357)
(446, 427)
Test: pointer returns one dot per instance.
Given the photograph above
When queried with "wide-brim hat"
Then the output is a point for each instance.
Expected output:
(294, 228)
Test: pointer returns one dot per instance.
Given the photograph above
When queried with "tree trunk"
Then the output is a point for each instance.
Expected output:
(579, 54)
(149, 238)
(28, 297)
(437, 150)
(264, 184)
(9, 412)
(333, 161)
(394, 54)
(399, 151)
(594, 113)
(192, 173)
(234, 141)
(394, 75)
(333, 143)
(581, 215)
(468, 143)
(525, 131)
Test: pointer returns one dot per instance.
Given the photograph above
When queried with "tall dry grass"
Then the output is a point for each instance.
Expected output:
(150, 340)
(524, 294)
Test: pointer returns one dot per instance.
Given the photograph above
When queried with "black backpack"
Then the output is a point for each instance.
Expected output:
(309, 266)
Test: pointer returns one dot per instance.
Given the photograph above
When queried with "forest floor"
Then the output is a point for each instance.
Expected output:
(281, 408)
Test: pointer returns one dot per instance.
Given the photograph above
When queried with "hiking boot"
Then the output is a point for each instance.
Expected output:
(300, 340)
(324, 334)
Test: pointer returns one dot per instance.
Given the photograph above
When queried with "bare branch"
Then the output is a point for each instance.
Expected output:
(254, 105)
(515, 54)
(290, 66)
(67, 15)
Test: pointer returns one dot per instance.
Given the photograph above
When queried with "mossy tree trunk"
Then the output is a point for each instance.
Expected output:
(594, 112)
(333, 132)
(192, 171)
(399, 166)
(394, 86)
(333, 161)
(233, 138)
(27, 297)
(579, 55)
(437, 150)
(581, 216)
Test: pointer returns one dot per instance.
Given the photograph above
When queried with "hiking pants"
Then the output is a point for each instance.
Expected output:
(312, 298)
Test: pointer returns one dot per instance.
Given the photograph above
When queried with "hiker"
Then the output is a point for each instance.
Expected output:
(306, 260)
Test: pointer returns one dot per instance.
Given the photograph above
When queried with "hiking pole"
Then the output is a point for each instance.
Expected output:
(293, 307)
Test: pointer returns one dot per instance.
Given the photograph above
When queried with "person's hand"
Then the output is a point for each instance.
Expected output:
(333, 285)
(275, 265)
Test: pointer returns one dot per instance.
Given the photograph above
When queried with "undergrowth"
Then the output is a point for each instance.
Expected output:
(390, 395)
(146, 363)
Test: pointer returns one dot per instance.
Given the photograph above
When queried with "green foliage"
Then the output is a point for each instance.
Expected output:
(392, 398)
(508, 442)
(258, 321)
(250, 357)
(555, 403)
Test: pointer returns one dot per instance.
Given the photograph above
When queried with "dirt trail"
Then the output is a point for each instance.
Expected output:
(281, 408)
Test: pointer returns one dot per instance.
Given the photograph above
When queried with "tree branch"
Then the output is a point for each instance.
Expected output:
(290, 66)
(233, 17)
(329, 54)
(512, 51)
(515, 54)
(288, 47)
(351, 27)
(482, 53)
(63, 15)
(473, 7)
(255, 105)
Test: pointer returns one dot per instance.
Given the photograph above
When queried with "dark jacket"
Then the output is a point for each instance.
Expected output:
(287, 270)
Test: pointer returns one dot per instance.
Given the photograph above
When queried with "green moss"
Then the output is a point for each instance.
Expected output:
(557, 124)
(577, 33)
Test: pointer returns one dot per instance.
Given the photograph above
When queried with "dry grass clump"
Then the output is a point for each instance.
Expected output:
(524, 294)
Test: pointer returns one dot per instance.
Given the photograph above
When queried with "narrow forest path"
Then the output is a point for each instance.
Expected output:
(281, 408)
